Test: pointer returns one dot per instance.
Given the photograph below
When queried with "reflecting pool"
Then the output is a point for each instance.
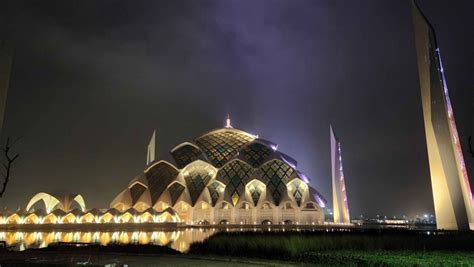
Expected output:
(179, 240)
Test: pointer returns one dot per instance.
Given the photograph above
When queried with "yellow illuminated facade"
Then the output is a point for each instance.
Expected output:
(226, 176)
(71, 209)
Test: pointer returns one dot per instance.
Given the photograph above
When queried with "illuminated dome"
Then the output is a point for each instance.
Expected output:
(225, 176)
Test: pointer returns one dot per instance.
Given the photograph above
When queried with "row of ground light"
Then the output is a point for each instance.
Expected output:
(77, 216)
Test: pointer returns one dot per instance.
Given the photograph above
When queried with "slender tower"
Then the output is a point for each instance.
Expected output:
(150, 155)
(339, 197)
(227, 122)
(449, 180)
(5, 67)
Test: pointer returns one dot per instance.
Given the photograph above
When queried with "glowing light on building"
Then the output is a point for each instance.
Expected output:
(227, 122)
(452, 195)
(340, 205)
(226, 176)
(454, 131)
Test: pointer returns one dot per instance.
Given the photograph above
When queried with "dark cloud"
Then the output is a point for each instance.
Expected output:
(92, 79)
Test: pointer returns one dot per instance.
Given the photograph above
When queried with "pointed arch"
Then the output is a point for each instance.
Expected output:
(69, 218)
(136, 191)
(166, 216)
(267, 205)
(298, 189)
(235, 175)
(276, 175)
(186, 153)
(147, 216)
(197, 176)
(175, 189)
(14, 218)
(202, 205)
(245, 205)
(50, 202)
(31, 218)
(224, 205)
(80, 200)
(216, 190)
(255, 188)
(161, 205)
(158, 177)
(50, 219)
(107, 217)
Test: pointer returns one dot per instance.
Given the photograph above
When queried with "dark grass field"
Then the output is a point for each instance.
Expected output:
(387, 248)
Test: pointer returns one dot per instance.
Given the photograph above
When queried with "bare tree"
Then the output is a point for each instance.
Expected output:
(8, 165)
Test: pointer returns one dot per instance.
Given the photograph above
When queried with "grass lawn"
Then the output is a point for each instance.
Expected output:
(391, 258)
(370, 248)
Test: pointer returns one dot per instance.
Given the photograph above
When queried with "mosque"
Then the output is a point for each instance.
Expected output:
(225, 176)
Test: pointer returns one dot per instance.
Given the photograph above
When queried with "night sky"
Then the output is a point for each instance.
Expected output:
(92, 79)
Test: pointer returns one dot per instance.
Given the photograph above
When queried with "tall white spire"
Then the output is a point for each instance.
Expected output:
(150, 156)
(227, 122)
(452, 195)
(339, 196)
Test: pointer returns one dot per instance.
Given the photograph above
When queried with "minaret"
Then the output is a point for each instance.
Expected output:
(452, 194)
(227, 122)
(339, 197)
(5, 68)
(150, 156)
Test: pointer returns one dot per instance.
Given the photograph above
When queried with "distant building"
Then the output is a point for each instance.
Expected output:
(339, 196)
(449, 179)
(226, 176)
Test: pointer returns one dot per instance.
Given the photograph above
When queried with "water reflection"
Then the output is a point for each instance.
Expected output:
(178, 240)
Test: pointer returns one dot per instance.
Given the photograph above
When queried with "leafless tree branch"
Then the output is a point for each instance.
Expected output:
(10, 160)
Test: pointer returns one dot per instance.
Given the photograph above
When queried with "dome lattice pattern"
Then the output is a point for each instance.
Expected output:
(223, 170)
(235, 174)
(255, 154)
(220, 147)
(158, 178)
(186, 154)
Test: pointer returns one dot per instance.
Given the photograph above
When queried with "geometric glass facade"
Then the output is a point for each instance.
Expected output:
(277, 174)
(136, 191)
(255, 154)
(196, 181)
(236, 174)
(214, 190)
(225, 176)
(221, 147)
(186, 154)
(297, 188)
(256, 188)
(158, 177)
(175, 190)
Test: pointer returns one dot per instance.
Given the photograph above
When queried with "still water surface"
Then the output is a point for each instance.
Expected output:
(178, 240)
